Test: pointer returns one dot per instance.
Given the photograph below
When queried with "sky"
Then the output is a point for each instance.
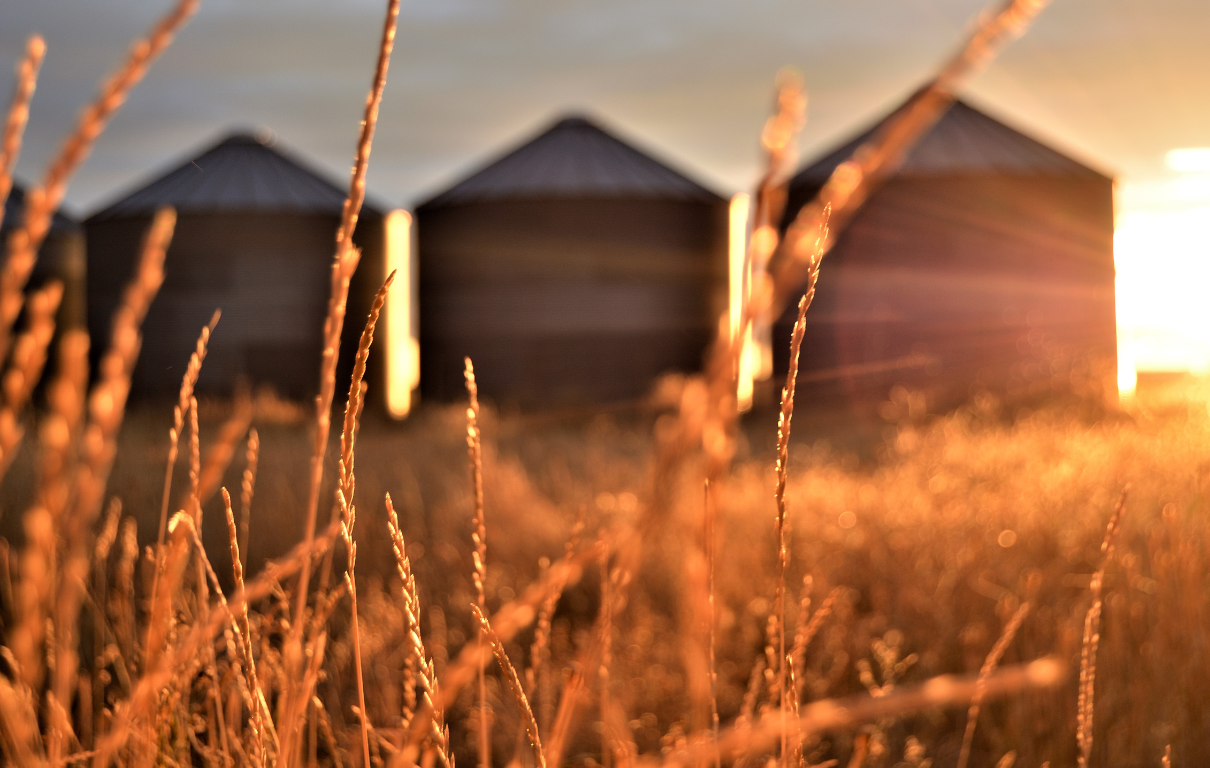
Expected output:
(1114, 83)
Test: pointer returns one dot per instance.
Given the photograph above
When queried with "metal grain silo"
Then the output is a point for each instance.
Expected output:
(574, 270)
(985, 262)
(255, 236)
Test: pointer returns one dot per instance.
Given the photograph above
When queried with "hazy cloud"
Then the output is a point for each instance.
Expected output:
(1115, 82)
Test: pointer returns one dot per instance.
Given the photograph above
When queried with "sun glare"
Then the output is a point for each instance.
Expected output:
(403, 351)
(737, 257)
(1189, 160)
(1163, 268)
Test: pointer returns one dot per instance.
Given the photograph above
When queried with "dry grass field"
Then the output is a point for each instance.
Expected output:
(926, 546)
(259, 583)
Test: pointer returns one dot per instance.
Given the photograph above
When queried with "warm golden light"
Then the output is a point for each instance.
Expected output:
(1128, 377)
(738, 292)
(1163, 268)
(403, 351)
(1189, 160)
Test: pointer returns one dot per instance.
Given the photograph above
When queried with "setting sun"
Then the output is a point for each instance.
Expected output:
(1163, 265)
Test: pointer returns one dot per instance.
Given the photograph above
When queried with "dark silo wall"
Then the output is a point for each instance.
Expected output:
(270, 275)
(567, 302)
(959, 284)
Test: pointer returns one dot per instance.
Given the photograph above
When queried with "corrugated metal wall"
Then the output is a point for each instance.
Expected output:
(269, 273)
(564, 302)
(956, 284)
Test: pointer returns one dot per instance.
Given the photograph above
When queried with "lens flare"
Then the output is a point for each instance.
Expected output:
(1163, 266)
(403, 351)
(1189, 160)
(738, 288)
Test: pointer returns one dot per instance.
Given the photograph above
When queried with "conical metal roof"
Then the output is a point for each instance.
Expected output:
(574, 158)
(242, 174)
(964, 141)
(14, 214)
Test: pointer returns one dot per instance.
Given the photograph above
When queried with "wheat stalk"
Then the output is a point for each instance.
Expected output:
(1085, 700)
(159, 667)
(510, 619)
(514, 683)
(416, 653)
(348, 485)
(18, 113)
(474, 449)
(42, 201)
(25, 368)
(805, 630)
(785, 417)
(261, 718)
(851, 183)
(247, 487)
(989, 666)
(840, 714)
(219, 456)
(344, 263)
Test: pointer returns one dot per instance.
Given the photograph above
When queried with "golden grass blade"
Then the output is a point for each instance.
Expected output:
(539, 651)
(989, 666)
(348, 485)
(37, 588)
(247, 487)
(839, 714)
(709, 513)
(344, 263)
(18, 113)
(261, 718)
(106, 409)
(1085, 701)
(510, 619)
(569, 702)
(188, 382)
(416, 653)
(606, 640)
(514, 684)
(219, 456)
(160, 666)
(25, 368)
(100, 561)
(805, 631)
(854, 180)
(474, 450)
(784, 420)
(43, 201)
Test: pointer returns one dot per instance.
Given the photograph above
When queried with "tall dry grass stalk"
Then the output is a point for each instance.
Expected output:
(222, 451)
(42, 201)
(344, 263)
(25, 368)
(247, 489)
(18, 112)
(854, 180)
(437, 737)
(708, 521)
(514, 684)
(261, 716)
(537, 675)
(989, 666)
(1086, 699)
(474, 449)
(831, 715)
(345, 495)
(784, 419)
(510, 619)
(188, 382)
